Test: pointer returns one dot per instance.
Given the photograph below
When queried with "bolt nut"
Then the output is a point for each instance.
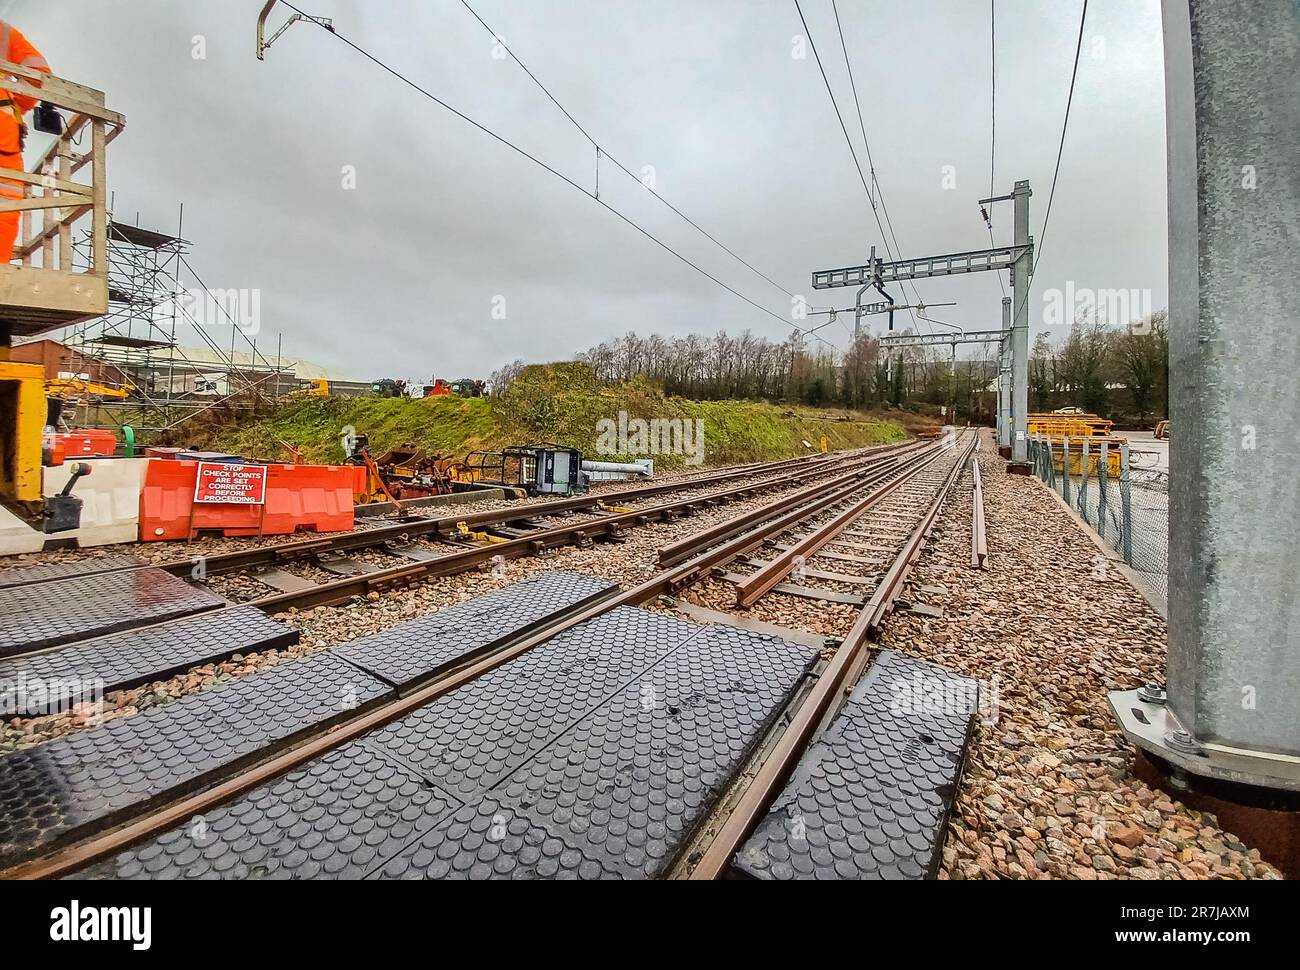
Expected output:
(1152, 694)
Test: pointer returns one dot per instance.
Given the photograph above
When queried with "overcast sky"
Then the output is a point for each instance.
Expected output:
(398, 277)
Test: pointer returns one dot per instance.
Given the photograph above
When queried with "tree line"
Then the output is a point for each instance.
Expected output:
(1122, 373)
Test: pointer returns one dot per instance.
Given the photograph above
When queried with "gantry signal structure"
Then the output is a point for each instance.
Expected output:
(893, 342)
(1018, 259)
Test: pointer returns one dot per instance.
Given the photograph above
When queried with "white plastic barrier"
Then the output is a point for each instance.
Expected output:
(110, 499)
(110, 509)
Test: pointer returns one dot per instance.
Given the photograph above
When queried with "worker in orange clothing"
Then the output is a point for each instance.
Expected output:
(13, 130)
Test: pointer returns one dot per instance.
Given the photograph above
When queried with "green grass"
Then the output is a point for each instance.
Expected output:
(559, 403)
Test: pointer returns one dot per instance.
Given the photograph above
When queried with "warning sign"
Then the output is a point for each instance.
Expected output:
(221, 484)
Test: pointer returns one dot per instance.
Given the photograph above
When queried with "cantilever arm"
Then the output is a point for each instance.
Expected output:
(261, 29)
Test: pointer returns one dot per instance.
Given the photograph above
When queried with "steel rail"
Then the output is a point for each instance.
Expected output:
(761, 582)
(609, 526)
(100, 845)
(447, 525)
(675, 552)
(835, 679)
(283, 552)
(979, 547)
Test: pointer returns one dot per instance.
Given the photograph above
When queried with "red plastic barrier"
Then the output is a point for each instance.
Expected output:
(313, 498)
(79, 444)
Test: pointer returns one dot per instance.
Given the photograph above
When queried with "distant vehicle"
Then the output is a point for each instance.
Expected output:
(1069, 411)
(315, 387)
(465, 387)
(389, 388)
(1162, 430)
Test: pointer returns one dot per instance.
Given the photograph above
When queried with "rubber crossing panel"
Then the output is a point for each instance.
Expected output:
(591, 756)
(53, 680)
(335, 817)
(469, 739)
(92, 779)
(408, 654)
(61, 611)
(630, 781)
(871, 798)
(23, 575)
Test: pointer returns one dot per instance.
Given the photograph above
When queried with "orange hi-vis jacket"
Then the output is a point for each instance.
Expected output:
(18, 49)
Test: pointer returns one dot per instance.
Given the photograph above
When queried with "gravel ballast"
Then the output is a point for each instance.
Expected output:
(1049, 628)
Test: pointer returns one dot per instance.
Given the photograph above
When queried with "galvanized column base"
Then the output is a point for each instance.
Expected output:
(1256, 796)
(1152, 726)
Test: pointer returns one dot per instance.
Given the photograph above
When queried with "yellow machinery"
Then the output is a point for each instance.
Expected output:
(74, 388)
(41, 288)
(1075, 424)
(1113, 463)
(25, 411)
(1076, 427)
(314, 387)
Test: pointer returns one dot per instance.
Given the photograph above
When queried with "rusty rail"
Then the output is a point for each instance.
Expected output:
(979, 547)
(277, 759)
(760, 583)
(817, 705)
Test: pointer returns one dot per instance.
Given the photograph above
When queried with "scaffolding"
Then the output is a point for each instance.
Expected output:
(134, 346)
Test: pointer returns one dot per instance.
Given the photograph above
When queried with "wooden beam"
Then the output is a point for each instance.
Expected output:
(64, 201)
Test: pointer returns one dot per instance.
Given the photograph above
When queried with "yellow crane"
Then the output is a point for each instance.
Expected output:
(72, 388)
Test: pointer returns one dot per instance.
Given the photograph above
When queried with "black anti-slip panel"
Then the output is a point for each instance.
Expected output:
(870, 799)
(60, 611)
(591, 756)
(92, 779)
(24, 575)
(53, 680)
(408, 654)
(334, 818)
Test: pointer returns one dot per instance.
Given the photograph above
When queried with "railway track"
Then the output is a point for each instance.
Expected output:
(901, 489)
(417, 536)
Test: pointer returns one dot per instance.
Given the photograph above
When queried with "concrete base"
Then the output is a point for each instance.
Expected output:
(1264, 818)
(110, 512)
(1254, 795)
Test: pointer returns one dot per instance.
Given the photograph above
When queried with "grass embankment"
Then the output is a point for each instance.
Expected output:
(560, 403)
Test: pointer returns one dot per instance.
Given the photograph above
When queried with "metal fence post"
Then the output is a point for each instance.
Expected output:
(1103, 481)
(1126, 504)
(1083, 482)
(1065, 470)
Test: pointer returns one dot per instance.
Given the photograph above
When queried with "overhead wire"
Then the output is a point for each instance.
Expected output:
(1060, 151)
(849, 140)
(875, 180)
(333, 31)
(603, 152)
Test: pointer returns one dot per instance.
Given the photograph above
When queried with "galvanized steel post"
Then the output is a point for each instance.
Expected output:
(1234, 359)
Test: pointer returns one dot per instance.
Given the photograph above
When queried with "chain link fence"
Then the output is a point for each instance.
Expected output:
(1127, 506)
